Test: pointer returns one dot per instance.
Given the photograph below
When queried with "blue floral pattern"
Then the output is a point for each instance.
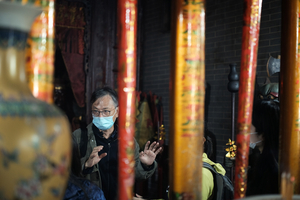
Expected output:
(12, 38)
(28, 189)
(31, 108)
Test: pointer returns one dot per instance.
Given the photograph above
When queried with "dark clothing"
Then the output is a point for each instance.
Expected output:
(108, 166)
(80, 189)
(263, 174)
(105, 173)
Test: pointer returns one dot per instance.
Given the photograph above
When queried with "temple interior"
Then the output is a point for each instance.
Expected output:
(86, 58)
(223, 40)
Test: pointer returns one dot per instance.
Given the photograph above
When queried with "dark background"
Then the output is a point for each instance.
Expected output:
(224, 20)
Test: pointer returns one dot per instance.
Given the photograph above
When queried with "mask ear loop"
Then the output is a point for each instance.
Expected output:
(115, 110)
(115, 113)
(253, 144)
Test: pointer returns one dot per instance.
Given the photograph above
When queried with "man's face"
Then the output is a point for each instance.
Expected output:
(106, 106)
(254, 137)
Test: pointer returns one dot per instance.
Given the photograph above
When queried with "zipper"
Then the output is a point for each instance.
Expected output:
(108, 153)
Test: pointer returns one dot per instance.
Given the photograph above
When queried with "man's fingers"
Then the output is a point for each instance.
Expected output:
(156, 146)
(141, 153)
(97, 149)
(97, 158)
(158, 150)
(147, 146)
(102, 155)
(152, 146)
(95, 152)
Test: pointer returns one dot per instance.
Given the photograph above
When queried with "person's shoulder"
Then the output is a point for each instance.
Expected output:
(206, 174)
(95, 193)
(207, 183)
(73, 190)
(77, 132)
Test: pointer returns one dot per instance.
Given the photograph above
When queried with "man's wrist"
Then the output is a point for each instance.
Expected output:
(87, 170)
(85, 165)
(147, 167)
(146, 164)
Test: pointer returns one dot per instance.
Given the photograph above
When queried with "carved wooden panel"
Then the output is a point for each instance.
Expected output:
(102, 59)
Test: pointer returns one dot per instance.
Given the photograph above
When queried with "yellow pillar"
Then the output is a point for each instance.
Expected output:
(289, 158)
(187, 98)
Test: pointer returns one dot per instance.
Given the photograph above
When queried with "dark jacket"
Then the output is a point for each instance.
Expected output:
(80, 189)
(262, 174)
(105, 174)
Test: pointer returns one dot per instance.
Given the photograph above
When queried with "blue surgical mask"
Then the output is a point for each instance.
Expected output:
(103, 123)
(253, 144)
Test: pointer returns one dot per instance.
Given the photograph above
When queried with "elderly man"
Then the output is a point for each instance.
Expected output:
(100, 163)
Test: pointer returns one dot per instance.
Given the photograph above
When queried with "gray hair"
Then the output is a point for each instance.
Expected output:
(98, 93)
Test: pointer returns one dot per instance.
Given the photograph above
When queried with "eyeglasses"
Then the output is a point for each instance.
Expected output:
(105, 113)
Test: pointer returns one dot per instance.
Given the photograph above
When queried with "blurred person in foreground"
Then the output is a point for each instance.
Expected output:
(78, 187)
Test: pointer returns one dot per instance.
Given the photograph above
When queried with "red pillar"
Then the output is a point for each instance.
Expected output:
(252, 13)
(127, 26)
(40, 54)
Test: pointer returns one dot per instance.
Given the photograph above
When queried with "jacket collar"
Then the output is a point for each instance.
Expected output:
(113, 136)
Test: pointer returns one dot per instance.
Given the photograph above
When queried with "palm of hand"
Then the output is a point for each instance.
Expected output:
(149, 154)
(147, 157)
(94, 158)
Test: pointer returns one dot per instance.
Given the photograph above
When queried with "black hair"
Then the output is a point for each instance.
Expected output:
(101, 92)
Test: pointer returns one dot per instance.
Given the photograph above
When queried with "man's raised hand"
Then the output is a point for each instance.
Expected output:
(149, 154)
(94, 157)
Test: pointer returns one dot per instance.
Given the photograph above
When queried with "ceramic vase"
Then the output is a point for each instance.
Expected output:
(35, 145)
